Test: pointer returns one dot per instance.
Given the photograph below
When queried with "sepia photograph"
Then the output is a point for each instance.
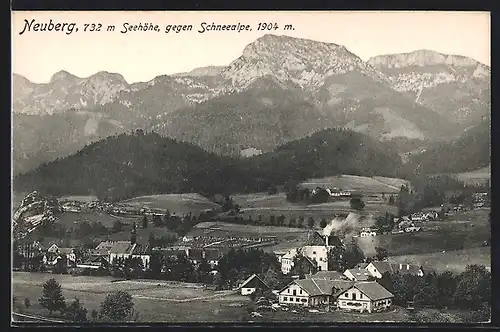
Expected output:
(244, 167)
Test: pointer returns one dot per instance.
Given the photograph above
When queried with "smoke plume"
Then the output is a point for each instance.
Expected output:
(342, 227)
(368, 244)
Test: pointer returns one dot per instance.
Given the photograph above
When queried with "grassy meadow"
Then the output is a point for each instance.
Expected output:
(175, 203)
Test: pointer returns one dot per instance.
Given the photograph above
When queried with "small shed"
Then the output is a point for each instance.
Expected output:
(252, 284)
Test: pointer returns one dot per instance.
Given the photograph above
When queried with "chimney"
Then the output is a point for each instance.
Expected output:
(400, 266)
(326, 239)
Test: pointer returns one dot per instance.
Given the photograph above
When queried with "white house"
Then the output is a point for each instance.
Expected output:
(126, 250)
(287, 261)
(252, 284)
(316, 248)
(377, 269)
(365, 296)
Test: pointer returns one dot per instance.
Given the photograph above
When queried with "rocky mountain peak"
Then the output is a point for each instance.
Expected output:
(302, 61)
(420, 58)
(105, 75)
(61, 76)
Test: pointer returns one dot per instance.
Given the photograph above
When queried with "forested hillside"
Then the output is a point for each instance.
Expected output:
(129, 165)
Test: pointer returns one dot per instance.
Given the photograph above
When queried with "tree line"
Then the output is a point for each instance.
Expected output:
(470, 289)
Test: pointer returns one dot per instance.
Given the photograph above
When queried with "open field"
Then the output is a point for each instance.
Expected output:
(72, 219)
(175, 203)
(481, 175)
(267, 205)
(84, 199)
(177, 303)
(359, 183)
(282, 233)
(455, 260)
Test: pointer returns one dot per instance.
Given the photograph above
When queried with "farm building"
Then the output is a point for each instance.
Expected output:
(365, 296)
(357, 274)
(122, 249)
(252, 284)
(377, 269)
(312, 292)
(93, 263)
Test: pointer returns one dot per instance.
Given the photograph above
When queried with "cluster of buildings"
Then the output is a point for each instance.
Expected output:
(479, 200)
(354, 290)
(312, 256)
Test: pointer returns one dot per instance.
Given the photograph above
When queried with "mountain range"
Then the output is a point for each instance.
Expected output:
(279, 90)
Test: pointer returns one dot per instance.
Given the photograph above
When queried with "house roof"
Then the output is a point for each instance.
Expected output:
(120, 247)
(140, 249)
(253, 280)
(373, 290)
(395, 267)
(332, 275)
(316, 287)
(65, 250)
(359, 274)
(107, 245)
(315, 239)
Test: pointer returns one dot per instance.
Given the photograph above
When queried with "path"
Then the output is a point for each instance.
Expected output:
(31, 318)
(226, 293)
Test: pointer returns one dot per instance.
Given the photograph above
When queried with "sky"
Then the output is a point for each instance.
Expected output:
(142, 55)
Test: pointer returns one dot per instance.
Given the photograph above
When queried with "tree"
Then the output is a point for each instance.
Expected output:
(203, 271)
(52, 298)
(116, 307)
(310, 222)
(272, 190)
(152, 241)
(300, 222)
(157, 222)
(357, 203)
(353, 255)
(144, 221)
(391, 200)
(381, 253)
(281, 220)
(272, 220)
(320, 196)
(474, 287)
(117, 227)
(336, 261)
(322, 223)
(271, 277)
(27, 302)
(75, 312)
(291, 222)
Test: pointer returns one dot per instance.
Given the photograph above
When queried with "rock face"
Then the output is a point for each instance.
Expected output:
(33, 212)
(65, 91)
(454, 86)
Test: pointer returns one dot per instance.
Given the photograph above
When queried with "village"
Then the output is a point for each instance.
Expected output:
(314, 275)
